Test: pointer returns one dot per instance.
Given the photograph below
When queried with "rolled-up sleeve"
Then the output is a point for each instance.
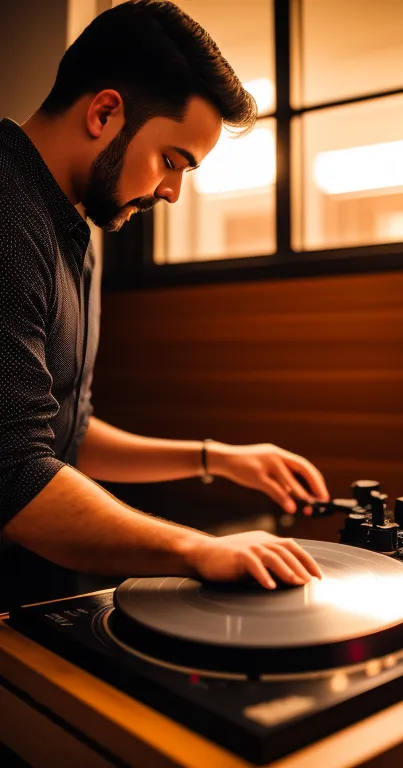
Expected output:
(27, 406)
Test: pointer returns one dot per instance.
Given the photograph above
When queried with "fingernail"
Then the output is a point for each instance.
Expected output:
(290, 507)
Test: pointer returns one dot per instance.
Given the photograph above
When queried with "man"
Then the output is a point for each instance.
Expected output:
(139, 98)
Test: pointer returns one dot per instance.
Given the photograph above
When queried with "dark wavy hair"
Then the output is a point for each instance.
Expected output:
(156, 57)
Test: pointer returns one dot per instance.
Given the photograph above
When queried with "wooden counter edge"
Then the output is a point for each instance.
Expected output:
(136, 732)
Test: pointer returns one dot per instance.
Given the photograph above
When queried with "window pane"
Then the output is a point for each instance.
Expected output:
(226, 208)
(348, 48)
(351, 179)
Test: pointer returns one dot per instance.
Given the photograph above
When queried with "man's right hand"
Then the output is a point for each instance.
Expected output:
(254, 553)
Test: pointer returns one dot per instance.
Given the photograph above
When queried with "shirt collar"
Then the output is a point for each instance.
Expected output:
(26, 155)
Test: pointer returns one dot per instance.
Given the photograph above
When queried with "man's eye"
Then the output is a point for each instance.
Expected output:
(169, 164)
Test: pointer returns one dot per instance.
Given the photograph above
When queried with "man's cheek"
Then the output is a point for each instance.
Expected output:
(142, 179)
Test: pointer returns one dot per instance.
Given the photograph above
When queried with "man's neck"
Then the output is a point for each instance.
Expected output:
(50, 136)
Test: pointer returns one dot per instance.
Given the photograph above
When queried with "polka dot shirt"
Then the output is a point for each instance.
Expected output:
(49, 323)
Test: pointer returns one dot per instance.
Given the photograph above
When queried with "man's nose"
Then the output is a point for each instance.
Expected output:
(169, 190)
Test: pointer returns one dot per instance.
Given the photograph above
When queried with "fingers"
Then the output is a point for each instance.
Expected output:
(310, 473)
(279, 494)
(255, 567)
(292, 562)
(275, 560)
(286, 560)
(284, 487)
(256, 553)
(290, 482)
(303, 556)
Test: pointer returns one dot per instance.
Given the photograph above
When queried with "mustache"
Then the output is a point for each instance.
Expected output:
(143, 204)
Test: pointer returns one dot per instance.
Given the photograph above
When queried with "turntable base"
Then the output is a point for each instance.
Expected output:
(252, 675)
(70, 715)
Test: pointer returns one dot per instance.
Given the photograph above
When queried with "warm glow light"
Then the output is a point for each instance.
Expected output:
(364, 596)
(339, 682)
(236, 164)
(373, 667)
(262, 90)
(376, 166)
(390, 227)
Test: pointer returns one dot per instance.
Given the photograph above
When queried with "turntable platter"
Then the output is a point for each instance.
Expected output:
(353, 614)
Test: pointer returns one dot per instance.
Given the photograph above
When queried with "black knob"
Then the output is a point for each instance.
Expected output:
(362, 491)
(352, 531)
(381, 535)
(383, 538)
(378, 508)
(399, 511)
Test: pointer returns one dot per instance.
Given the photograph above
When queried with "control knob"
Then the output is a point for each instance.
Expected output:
(362, 490)
(399, 512)
(352, 531)
(382, 535)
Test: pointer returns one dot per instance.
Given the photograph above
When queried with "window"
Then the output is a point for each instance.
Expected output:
(326, 195)
(352, 176)
(350, 179)
(347, 49)
(227, 207)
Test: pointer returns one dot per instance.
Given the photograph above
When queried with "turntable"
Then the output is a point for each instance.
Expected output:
(259, 672)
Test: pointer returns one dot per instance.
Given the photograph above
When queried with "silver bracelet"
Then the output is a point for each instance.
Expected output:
(206, 477)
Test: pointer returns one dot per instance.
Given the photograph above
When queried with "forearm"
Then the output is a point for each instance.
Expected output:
(78, 525)
(113, 455)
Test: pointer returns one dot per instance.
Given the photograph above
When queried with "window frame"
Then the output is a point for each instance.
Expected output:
(129, 254)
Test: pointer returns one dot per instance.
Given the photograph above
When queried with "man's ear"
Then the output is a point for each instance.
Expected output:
(105, 110)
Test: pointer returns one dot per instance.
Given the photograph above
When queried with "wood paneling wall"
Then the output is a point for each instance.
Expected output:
(33, 40)
(314, 365)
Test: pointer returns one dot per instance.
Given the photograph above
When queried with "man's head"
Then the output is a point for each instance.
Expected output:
(130, 175)
(151, 90)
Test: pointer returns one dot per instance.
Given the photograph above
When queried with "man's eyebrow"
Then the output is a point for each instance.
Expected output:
(188, 156)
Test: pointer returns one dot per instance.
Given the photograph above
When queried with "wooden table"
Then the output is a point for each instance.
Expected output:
(54, 714)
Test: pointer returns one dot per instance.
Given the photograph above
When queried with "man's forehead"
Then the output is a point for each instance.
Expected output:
(193, 137)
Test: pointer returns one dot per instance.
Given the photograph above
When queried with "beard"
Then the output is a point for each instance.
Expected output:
(100, 201)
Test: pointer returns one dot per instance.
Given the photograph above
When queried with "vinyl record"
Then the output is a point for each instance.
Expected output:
(353, 614)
